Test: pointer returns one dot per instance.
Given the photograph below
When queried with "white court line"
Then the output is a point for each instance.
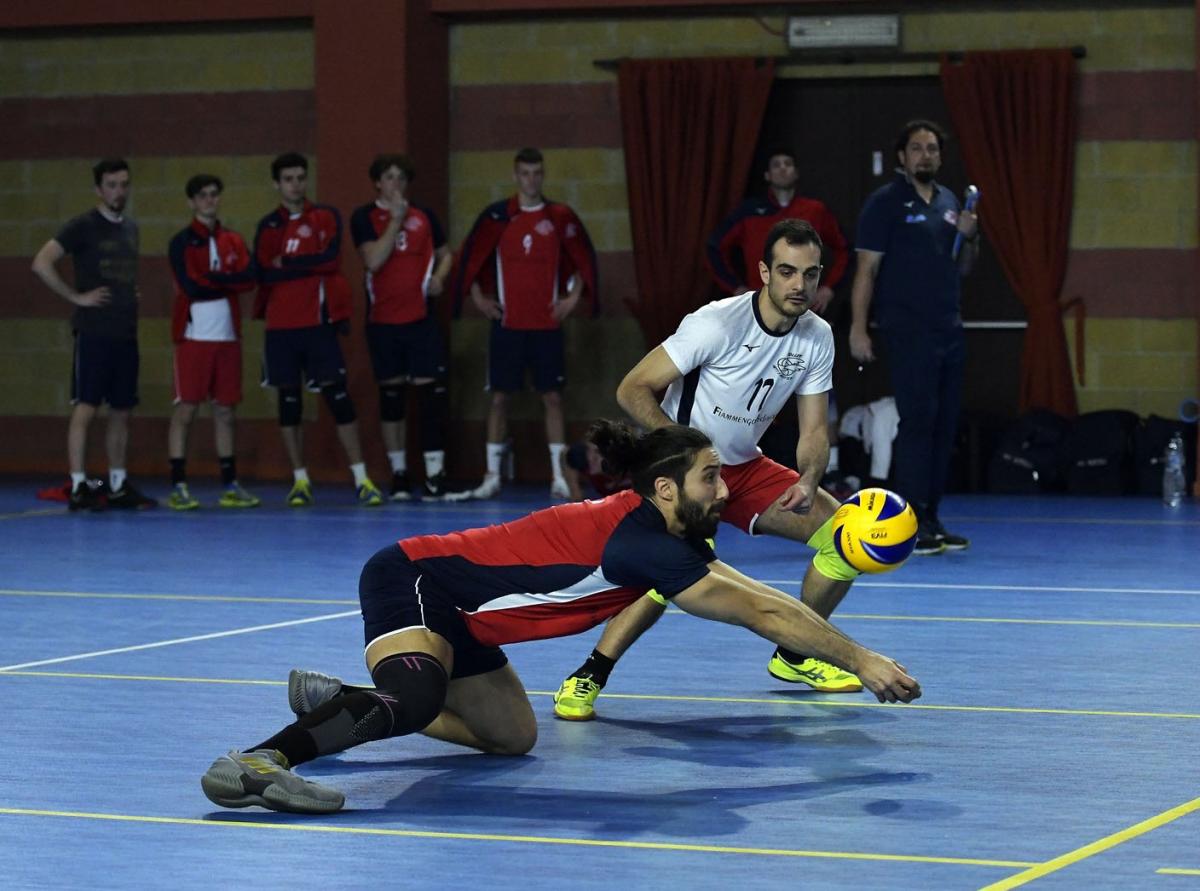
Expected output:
(1070, 589)
(179, 640)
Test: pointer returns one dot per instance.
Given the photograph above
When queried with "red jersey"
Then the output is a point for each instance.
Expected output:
(299, 268)
(745, 232)
(398, 291)
(208, 265)
(527, 256)
(558, 571)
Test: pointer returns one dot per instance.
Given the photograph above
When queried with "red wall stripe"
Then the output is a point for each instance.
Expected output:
(492, 118)
(243, 123)
(1137, 105)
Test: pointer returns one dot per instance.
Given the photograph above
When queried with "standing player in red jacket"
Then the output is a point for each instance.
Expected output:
(404, 251)
(528, 251)
(736, 246)
(305, 300)
(211, 267)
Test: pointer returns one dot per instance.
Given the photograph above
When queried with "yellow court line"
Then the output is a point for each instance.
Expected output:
(205, 598)
(533, 839)
(40, 512)
(1168, 871)
(739, 700)
(870, 617)
(1109, 841)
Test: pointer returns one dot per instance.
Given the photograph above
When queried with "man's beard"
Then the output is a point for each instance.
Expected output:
(923, 176)
(698, 522)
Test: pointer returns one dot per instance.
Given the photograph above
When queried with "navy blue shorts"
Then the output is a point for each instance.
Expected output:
(105, 369)
(511, 352)
(302, 356)
(408, 351)
(395, 597)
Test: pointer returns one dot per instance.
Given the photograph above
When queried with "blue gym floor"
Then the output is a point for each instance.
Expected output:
(1058, 740)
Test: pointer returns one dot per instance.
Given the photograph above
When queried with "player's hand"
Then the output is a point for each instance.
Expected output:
(798, 498)
(95, 297)
(564, 308)
(860, 345)
(968, 223)
(887, 678)
(820, 301)
(490, 308)
(398, 207)
(436, 286)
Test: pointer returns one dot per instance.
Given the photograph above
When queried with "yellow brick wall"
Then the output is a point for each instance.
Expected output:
(1145, 365)
(209, 59)
(37, 197)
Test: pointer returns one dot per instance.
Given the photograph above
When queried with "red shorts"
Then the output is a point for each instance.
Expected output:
(208, 369)
(753, 486)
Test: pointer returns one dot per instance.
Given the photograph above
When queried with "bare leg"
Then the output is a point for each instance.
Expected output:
(555, 429)
(819, 593)
(293, 441)
(77, 433)
(223, 429)
(117, 436)
(177, 433)
(348, 436)
(497, 422)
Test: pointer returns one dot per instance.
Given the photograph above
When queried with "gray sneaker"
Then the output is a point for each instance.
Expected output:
(307, 690)
(242, 779)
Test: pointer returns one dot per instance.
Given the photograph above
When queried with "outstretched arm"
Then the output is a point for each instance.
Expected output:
(725, 595)
(638, 392)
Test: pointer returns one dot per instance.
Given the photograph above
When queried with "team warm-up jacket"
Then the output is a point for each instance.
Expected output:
(208, 265)
(397, 292)
(299, 268)
(744, 232)
(558, 571)
(526, 257)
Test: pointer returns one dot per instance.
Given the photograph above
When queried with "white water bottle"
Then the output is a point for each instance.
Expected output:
(1172, 489)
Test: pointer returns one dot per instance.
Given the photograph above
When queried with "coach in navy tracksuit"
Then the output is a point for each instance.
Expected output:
(907, 275)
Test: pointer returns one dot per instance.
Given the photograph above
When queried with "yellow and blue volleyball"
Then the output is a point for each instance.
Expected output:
(874, 530)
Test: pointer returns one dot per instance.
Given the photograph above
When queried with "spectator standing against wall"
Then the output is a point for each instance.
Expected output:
(103, 245)
(305, 301)
(211, 267)
(908, 281)
(536, 257)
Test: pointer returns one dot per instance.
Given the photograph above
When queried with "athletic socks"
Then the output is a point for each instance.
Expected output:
(556, 453)
(597, 668)
(360, 473)
(435, 463)
(228, 470)
(77, 480)
(398, 460)
(495, 454)
(178, 471)
(300, 475)
(116, 478)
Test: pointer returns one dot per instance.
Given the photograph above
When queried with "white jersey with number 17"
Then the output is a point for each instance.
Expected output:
(737, 375)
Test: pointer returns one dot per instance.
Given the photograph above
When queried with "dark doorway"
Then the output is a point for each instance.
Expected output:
(837, 127)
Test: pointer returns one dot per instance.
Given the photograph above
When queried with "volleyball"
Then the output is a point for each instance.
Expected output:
(874, 530)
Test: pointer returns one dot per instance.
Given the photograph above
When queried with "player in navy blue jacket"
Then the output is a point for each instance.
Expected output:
(436, 609)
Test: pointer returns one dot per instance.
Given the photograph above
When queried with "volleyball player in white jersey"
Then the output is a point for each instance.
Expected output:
(729, 369)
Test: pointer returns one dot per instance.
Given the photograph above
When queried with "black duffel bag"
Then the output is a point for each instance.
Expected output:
(1029, 456)
(1100, 453)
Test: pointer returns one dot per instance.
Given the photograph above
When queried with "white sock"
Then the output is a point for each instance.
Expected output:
(495, 454)
(77, 480)
(116, 478)
(399, 462)
(360, 473)
(435, 462)
(556, 453)
(300, 475)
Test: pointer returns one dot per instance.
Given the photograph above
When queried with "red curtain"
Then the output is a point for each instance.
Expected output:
(689, 129)
(1014, 112)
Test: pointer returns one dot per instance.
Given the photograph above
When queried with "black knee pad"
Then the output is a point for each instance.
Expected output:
(391, 402)
(411, 690)
(291, 407)
(433, 400)
(341, 406)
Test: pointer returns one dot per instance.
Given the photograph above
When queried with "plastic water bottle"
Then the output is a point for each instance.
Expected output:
(1172, 492)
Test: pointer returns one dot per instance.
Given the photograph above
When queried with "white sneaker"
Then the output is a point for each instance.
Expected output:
(559, 490)
(489, 488)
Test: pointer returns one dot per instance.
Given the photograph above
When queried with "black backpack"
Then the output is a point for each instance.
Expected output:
(1029, 456)
(1100, 453)
(1150, 439)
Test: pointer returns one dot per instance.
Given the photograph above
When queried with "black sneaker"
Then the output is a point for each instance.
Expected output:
(129, 498)
(88, 495)
(401, 487)
(928, 542)
(437, 489)
(949, 540)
